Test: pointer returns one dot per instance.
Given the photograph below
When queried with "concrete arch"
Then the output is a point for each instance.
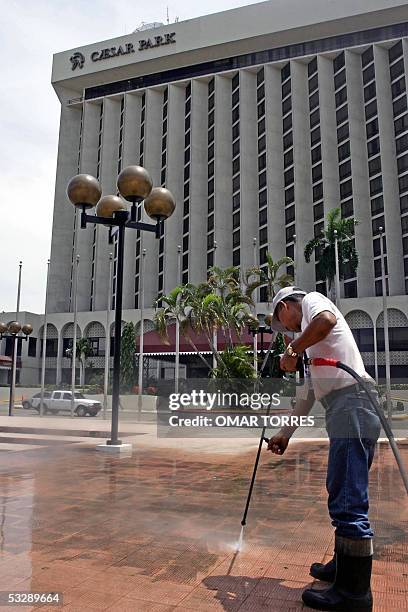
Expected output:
(52, 331)
(398, 342)
(67, 331)
(148, 325)
(364, 332)
(94, 329)
(359, 319)
(53, 341)
(396, 318)
(112, 328)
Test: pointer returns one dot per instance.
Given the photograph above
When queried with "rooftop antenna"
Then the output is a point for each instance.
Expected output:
(168, 20)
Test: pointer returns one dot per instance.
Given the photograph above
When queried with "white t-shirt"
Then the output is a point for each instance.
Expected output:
(339, 344)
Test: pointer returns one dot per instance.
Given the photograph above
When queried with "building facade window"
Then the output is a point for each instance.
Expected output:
(343, 150)
(139, 208)
(95, 227)
(186, 188)
(288, 166)
(316, 158)
(163, 174)
(75, 229)
(400, 114)
(211, 108)
(262, 177)
(373, 146)
(236, 176)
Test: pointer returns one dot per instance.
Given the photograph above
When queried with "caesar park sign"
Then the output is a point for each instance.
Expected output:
(78, 59)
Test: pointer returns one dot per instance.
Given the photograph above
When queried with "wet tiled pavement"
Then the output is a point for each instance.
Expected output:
(157, 532)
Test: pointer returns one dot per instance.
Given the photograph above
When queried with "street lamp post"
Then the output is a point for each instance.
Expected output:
(262, 331)
(13, 350)
(44, 345)
(386, 335)
(253, 326)
(107, 339)
(177, 364)
(257, 324)
(255, 336)
(12, 330)
(135, 185)
(215, 330)
(75, 332)
(141, 339)
(337, 273)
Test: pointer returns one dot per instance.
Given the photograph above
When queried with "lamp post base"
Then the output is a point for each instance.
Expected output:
(115, 449)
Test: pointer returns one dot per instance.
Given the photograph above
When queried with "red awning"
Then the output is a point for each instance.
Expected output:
(152, 343)
(5, 362)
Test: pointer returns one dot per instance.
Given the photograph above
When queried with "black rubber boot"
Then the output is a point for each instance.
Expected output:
(351, 590)
(325, 572)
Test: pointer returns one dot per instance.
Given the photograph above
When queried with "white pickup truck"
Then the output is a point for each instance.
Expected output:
(60, 401)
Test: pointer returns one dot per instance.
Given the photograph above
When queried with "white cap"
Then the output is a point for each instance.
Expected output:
(282, 294)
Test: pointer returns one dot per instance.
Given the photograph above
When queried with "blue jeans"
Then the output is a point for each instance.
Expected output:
(353, 428)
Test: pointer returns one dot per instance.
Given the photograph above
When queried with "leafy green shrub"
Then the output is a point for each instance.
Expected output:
(236, 363)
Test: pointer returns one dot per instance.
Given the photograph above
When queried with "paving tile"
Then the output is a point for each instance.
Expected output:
(138, 605)
(158, 531)
(256, 603)
(287, 590)
(285, 571)
(95, 600)
(389, 584)
(302, 558)
(389, 603)
(159, 592)
(236, 565)
(203, 600)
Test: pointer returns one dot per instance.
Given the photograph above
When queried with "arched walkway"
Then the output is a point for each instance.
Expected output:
(398, 343)
(51, 352)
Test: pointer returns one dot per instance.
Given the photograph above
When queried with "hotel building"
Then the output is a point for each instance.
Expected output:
(260, 120)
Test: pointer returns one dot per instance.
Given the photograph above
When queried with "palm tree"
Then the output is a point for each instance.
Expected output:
(224, 280)
(84, 350)
(176, 308)
(268, 277)
(271, 277)
(220, 304)
(127, 355)
(323, 247)
(217, 304)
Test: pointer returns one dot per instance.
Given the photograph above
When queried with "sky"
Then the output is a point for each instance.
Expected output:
(30, 32)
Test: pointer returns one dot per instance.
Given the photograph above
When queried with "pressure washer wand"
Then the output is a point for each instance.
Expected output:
(258, 454)
(261, 440)
(320, 361)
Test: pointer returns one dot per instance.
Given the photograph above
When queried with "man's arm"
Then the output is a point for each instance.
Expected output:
(279, 442)
(317, 330)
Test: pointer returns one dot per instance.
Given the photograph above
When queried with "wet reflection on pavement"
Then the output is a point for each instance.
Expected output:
(158, 531)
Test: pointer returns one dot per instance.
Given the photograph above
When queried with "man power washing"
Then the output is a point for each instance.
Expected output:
(353, 429)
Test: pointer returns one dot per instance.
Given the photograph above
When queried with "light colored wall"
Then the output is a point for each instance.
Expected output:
(223, 172)
(63, 221)
(198, 182)
(261, 26)
(174, 182)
